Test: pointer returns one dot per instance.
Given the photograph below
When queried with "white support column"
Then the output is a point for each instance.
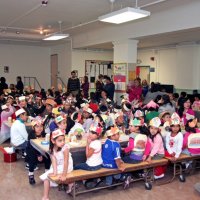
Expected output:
(125, 51)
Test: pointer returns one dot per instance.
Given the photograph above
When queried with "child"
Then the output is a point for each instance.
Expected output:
(33, 156)
(62, 162)
(191, 141)
(164, 117)
(157, 146)
(139, 145)
(111, 154)
(174, 139)
(93, 150)
(61, 122)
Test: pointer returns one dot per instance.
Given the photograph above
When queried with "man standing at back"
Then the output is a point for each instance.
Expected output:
(73, 84)
(109, 87)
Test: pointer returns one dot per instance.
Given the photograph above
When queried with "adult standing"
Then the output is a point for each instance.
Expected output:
(20, 85)
(73, 84)
(135, 91)
(85, 87)
(99, 87)
(109, 87)
(3, 84)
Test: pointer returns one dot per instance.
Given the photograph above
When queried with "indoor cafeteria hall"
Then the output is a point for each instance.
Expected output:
(99, 99)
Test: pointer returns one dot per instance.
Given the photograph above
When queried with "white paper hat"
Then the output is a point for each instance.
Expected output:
(155, 122)
(19, 112)
(4, 107)
(22, 98)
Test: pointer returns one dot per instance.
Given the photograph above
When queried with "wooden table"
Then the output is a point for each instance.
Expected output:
(77, 149)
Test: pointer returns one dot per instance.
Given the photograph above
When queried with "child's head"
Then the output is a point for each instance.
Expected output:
(95, 132)
(76, 117)
(154, 125)
(57, 140)
(165, 117)
(61, 122)
(175, 123)
(134, 125)
(191, 125)
(37, 125)
(87, 112)
(113, 133)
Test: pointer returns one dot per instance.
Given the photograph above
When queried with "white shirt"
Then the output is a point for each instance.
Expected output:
(18, 133)
(174, 144)
(95, 159)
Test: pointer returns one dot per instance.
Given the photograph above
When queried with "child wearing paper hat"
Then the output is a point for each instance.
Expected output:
(157, 146)
(138, 147)
(174, 139)
(191, 141)
(111, 153)
(93, 150)
(33, 156)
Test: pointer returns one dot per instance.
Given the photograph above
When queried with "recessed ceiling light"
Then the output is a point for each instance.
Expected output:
(17, 32)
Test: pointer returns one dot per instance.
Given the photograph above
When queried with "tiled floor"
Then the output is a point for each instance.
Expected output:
(15, 186)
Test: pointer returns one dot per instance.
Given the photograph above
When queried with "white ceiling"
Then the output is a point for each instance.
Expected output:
(22, 20)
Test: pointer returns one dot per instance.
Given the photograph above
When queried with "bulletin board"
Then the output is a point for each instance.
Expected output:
(95, 67)
(120, 76)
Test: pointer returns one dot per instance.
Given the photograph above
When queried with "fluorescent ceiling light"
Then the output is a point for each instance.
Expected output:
(124, 15)
(57, 36)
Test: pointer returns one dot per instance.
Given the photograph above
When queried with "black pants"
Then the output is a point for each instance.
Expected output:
(32, 159)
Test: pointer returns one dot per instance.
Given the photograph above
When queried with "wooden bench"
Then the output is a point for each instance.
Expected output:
(177, 165)
(79, 175)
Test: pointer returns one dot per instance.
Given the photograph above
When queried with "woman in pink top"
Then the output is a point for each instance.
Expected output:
(135, 91)
(191, 141)
(185, 112)
(157, 146)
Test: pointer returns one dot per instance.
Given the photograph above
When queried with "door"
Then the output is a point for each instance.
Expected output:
(54, 70)
(145, 73)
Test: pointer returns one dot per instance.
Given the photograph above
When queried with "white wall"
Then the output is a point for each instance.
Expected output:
(80, 56)
(178, 66)
(25, 61)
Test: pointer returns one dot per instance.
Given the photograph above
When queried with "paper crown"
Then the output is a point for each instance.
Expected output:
(95, 128)
(57, 133)
(19, 112)
(114, 130)
(155, 122)
(151, 104)
(89, 110)
(193, 123)
(127, 106)
(59, 119)
(117, 109)
(175, 119)
(76, 116)
(22, 98)
(135, 122)
(138, 113)
(189, 116)
(56, 111)
(118, 114)
(36, 121)
(4, 107)
(51, 102)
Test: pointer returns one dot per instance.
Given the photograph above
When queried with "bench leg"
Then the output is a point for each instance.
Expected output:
(148, 177)
(74, 191)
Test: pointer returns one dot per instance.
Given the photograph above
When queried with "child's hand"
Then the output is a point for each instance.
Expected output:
(149, 159)
(62, 177)
(122, 167)
(122, 149)
(173, 154)
(173, 158)
(52, 174)
(40, 158)
(144, 157)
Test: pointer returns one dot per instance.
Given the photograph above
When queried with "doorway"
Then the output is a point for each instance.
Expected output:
(145, 73)
(54, 70)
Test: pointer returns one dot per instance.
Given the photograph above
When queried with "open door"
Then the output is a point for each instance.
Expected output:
(54, 70)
